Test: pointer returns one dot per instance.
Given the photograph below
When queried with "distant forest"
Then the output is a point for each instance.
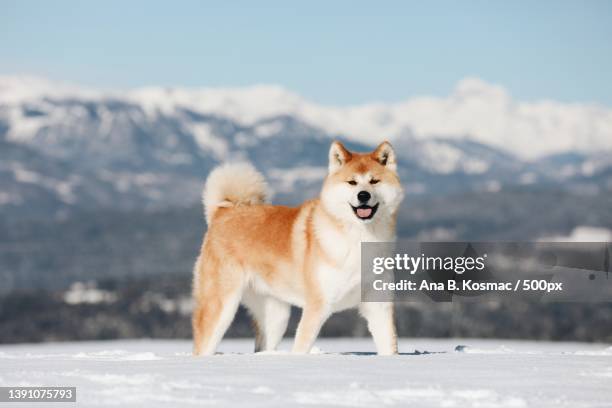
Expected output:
(158, 307)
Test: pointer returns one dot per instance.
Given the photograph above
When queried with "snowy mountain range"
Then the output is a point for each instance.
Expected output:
(66, 147)
(475, 109)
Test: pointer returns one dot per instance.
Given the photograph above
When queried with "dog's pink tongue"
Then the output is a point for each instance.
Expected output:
(364, 212)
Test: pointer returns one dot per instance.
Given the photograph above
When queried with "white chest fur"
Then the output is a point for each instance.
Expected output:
(340, 284)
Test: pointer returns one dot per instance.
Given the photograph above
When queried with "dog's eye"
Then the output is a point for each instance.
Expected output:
(352, 182)
(374, 181)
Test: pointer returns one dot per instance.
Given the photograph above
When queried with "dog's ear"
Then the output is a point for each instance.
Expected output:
(385, 155)
(338, 156)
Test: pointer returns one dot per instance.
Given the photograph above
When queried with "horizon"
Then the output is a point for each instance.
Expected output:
(105, 91)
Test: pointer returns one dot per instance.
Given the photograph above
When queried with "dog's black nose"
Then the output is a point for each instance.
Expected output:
(363, 196)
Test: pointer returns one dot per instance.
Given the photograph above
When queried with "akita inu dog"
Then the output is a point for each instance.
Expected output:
(270, 257)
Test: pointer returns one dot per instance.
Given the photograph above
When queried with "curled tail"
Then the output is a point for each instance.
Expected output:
(231, 185)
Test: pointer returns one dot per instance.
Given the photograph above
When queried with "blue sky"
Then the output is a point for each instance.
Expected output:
(340, 52)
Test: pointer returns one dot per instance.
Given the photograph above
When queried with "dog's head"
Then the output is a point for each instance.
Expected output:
(362, 187)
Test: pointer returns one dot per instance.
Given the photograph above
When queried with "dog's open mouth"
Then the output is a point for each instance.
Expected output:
(365, 212)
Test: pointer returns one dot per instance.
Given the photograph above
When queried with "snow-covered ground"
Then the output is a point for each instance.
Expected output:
(342, 372)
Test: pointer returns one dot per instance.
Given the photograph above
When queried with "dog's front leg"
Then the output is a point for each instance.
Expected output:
(381, 325)
(313, 317)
